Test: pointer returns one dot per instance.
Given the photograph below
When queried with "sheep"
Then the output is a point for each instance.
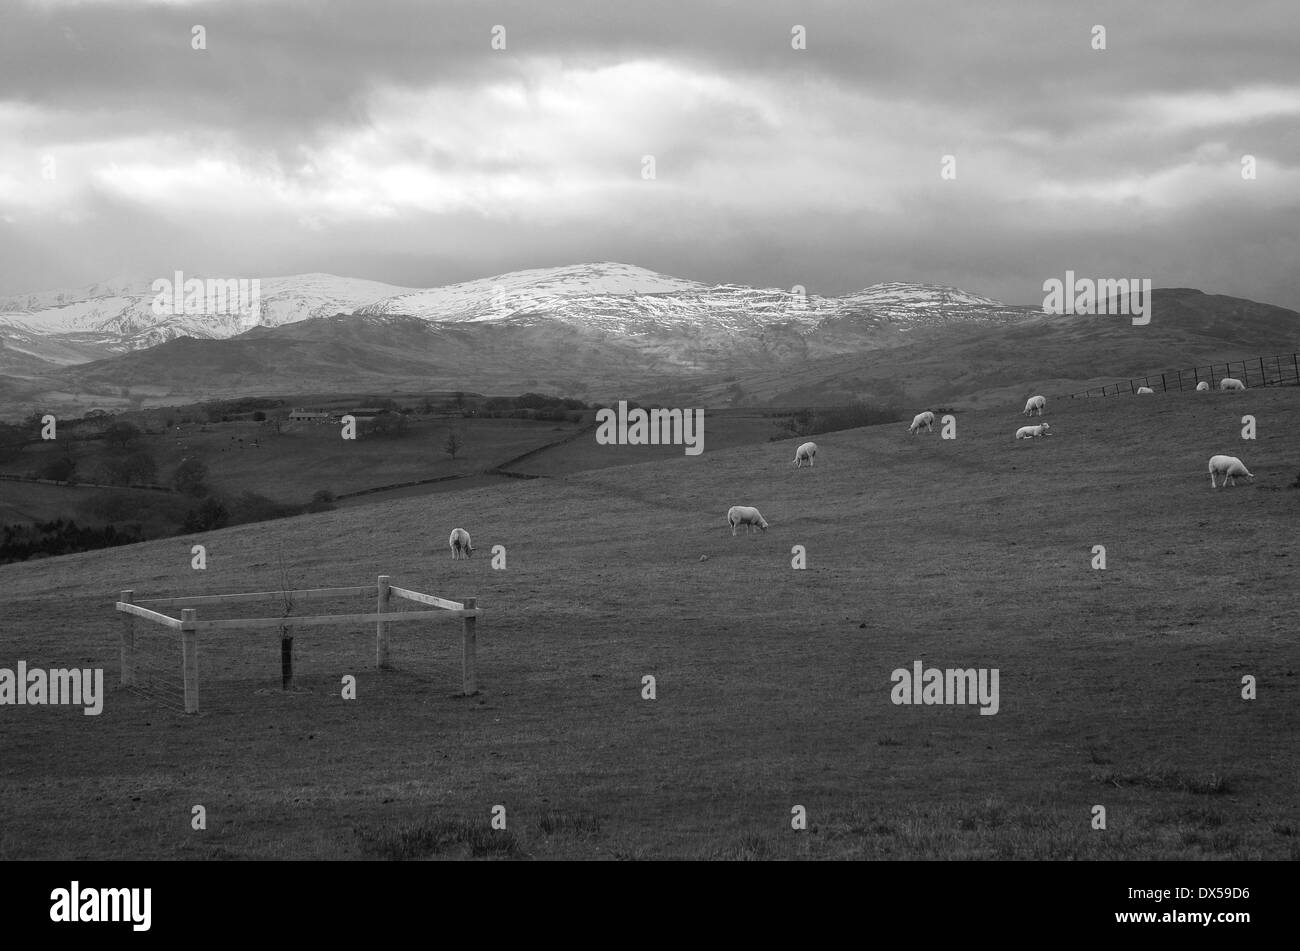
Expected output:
(745, 515)
(1029, 432)
(925, 419)
(1228, 467)
(1035, 403)
(807, 451)
(1202, 387)
(1142, 390)
(460, 544)
(1228, 383)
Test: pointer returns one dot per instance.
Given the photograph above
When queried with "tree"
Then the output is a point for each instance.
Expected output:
(60, 469)
(121, 434)
(460, 399)
(453, 444)
(190, 478)
(210, 514)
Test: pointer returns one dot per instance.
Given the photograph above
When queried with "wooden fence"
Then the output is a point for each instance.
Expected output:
(190, 626)
(1277, 370)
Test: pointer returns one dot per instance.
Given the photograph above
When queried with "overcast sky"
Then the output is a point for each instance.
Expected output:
(387, 139)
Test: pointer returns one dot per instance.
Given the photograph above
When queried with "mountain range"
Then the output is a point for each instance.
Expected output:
(600, 331)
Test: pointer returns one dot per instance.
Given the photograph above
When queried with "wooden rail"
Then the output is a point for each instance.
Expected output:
(127, 607)
(300, 620)
(426, 599)
(302, 594)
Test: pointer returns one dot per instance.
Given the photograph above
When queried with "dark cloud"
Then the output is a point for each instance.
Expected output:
(1041, 123)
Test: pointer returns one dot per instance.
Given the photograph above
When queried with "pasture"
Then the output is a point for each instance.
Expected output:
(289, 466)
(1119, 688)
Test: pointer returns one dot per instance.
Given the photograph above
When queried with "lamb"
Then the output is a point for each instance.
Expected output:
(1228, 383)
(1202, 387)
(925, 419)
(1228, 467)
(807, 451)
(1035, 403)
(1144, 389)
(1029, 432)
(460, 544)
(745, 515)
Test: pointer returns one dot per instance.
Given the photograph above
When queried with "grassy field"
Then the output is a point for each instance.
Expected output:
(1118, 688)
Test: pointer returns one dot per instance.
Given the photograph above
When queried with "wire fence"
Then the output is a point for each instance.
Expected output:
(1277, 370)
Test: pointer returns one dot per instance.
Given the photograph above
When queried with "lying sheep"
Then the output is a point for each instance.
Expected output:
(745, 515)
(807, 451)
(1228, 467)
(460, 544)
(1228, 383)
(1035, 403)
(925, 419)
(1030, 432)
(1142, 390)
(1202, 387)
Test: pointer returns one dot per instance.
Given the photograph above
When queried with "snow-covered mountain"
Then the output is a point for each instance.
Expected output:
(68, 327)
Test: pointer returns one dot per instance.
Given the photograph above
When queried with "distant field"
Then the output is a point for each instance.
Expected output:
(306, 457)
(1118, 688)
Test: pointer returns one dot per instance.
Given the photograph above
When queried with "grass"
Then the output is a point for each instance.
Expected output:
(1119, 688)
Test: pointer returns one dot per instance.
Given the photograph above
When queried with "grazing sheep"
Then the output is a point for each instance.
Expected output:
(1202, 387)
(460, 544)
(1142, 390)
(745, 515)
(1228, 467)
(925, 419)
(1029, 432)
(1035, 403)
(807, 451)
(1228, 383)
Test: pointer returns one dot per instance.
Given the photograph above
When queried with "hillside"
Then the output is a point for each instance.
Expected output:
(592, 329)
(969, 365)
(1118, 687)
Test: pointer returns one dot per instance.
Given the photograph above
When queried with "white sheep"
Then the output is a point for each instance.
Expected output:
(1142, 390)
(460, 544)
(1035, 403)
(1228, 467)
(1202, 387)
(807, 451)
(925, 419)
(1228, 383)
(745, 515)
(1029, 432)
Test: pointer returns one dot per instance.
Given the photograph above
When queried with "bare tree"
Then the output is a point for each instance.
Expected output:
(453, 444)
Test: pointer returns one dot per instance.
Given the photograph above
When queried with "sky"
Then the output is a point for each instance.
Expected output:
(390, 140)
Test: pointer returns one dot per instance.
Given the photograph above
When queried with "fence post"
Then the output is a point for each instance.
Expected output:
(1180, 381)
(381, 629)
(128, 641)
(1163, 387)
(1263, 377)
(190, 658)
(1295, 365)
(469, 652)
(286, 657)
